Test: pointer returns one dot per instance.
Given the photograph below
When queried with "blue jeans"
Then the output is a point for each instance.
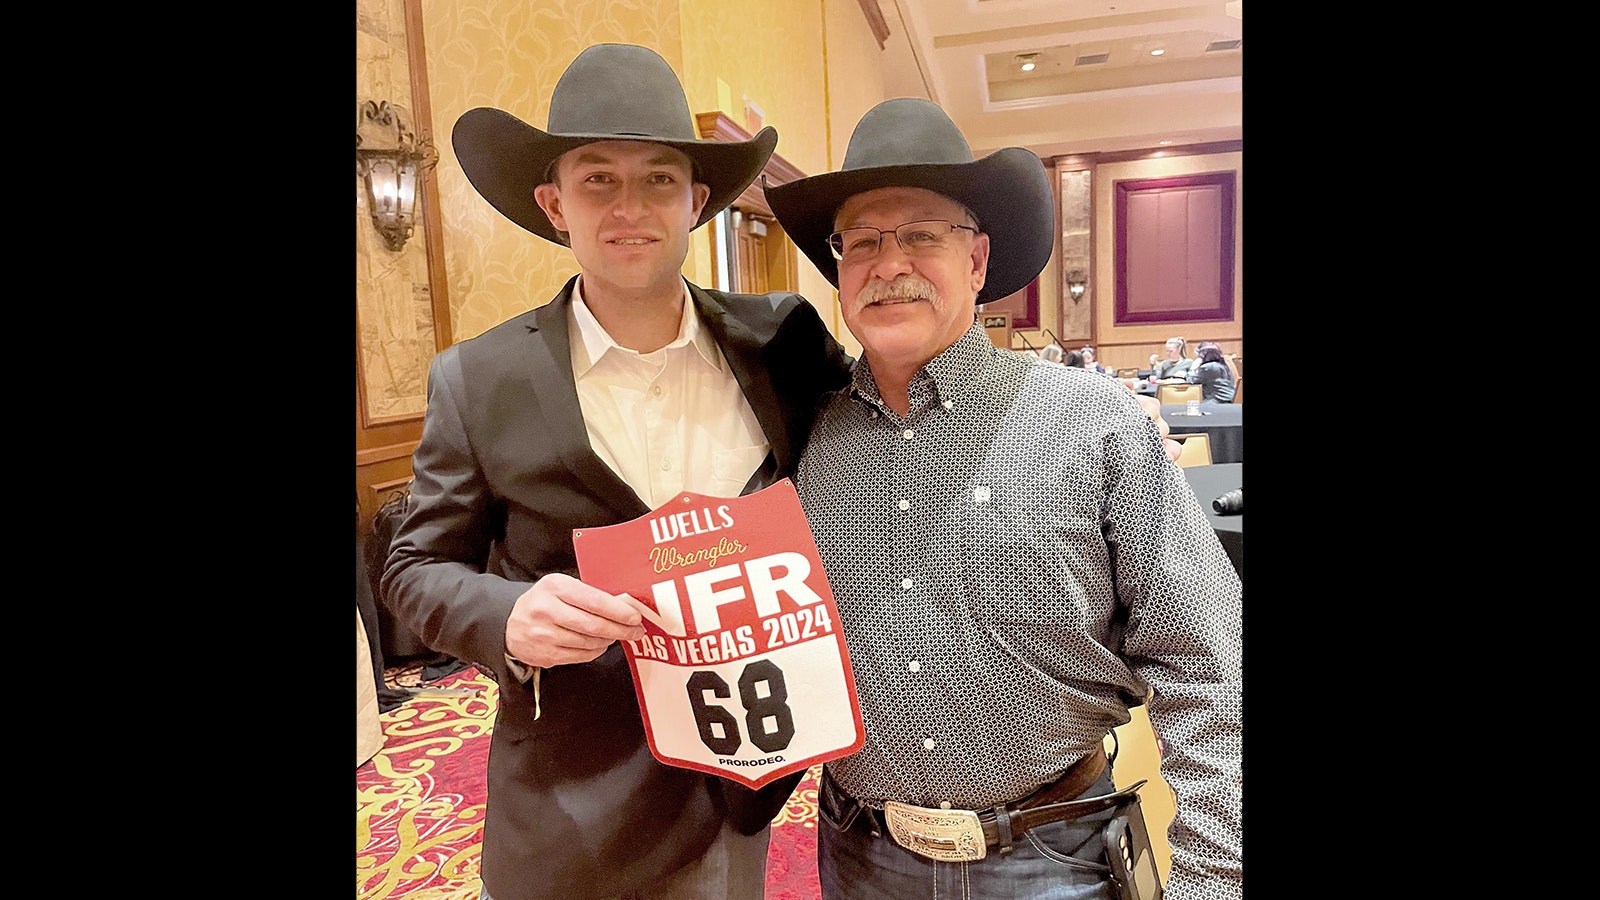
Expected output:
(1058, 861)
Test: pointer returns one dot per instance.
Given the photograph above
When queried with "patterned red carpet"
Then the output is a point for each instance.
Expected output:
(420, 802)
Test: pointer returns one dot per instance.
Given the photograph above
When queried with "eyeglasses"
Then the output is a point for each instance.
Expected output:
(856, 244)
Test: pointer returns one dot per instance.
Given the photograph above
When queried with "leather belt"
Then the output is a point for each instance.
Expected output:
(951, 835)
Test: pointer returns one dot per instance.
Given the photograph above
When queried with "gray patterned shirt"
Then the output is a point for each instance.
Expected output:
(1015, 563)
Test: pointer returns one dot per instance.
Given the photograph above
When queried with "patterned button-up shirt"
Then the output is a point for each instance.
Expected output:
(1015, 562)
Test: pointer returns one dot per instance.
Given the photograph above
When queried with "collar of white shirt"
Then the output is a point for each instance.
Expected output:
(593, 341)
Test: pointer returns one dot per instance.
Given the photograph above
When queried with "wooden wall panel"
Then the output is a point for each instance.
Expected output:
(392, 32)
(376, 483)
(1174, 253)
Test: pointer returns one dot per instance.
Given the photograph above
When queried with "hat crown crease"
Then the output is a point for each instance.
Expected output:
(900, 134)
(637, 95)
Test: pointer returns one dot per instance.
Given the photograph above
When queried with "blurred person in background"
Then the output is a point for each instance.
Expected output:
(1175, 364)
(1212, 373)
(1089, 361)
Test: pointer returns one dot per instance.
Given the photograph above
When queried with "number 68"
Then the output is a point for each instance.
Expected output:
(758, 710)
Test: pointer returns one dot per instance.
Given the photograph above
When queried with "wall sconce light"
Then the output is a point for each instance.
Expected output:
(1077, 284)
(391, 174)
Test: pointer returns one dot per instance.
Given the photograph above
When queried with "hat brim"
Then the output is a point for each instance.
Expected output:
(1008, 190)
(505, 158)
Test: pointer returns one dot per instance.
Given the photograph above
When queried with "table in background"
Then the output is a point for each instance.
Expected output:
(1223, 423)
(1209, 483)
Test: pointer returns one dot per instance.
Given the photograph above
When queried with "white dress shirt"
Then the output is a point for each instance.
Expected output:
(667, 421)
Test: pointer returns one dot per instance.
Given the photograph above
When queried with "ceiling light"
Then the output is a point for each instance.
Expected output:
(1157, 52)
(1029, 61)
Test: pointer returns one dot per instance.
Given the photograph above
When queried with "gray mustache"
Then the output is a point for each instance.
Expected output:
(906, 287)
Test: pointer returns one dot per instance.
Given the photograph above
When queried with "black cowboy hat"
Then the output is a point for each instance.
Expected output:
(611, 92)
(908, 142)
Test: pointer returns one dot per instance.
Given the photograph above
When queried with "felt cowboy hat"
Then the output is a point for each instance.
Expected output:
(909, 142)
(611, 92)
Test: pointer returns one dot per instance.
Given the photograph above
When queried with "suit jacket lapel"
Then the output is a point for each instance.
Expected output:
(556, 394)
(743, 351)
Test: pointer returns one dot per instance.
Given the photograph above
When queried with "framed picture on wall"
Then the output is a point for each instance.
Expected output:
(1174, 255)
(998, 324)
(1022, 305)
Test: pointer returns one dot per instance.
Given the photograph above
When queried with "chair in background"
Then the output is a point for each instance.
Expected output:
(1169, 394)
(1238, 389)
(396, 642)
(1129, 372)
(1236, 363)
(1196, 449)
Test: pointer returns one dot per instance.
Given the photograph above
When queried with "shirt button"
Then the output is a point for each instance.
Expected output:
(905, 583)
(666, 465)
(949, 404)
(915, 666)
(944, 804)
(928, 744)
(656, 391)
(905, 504)
(908, 434)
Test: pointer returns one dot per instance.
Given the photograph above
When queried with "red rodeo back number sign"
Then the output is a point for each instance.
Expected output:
(743, 671)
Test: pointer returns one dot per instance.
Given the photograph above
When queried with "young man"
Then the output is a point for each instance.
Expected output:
(629, 386)
(1015, 559)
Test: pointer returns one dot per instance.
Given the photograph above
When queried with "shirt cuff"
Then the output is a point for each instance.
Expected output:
(523, 672)
(519, 670)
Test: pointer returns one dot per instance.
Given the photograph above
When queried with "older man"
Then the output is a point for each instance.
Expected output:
(1015, 559)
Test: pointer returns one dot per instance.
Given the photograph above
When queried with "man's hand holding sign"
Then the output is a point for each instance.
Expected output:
(561, 620)
(742, 670)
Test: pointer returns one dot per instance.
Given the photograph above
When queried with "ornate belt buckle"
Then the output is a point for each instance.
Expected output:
(947, 835)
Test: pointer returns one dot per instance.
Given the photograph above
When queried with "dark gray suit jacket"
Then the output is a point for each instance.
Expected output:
(578, 806)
